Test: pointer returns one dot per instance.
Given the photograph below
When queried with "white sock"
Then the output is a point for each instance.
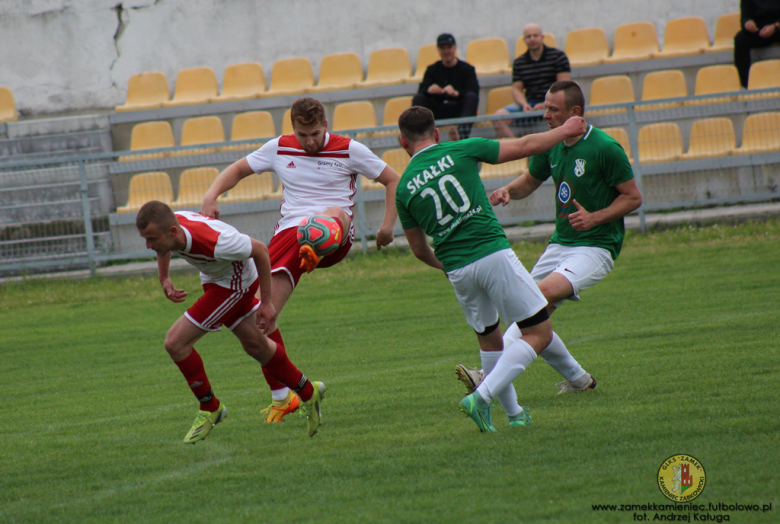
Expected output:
(508, 397)
(280, 394)
(513, 361)
(561, 360)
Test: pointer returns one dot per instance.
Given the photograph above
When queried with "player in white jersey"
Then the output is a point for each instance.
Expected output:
(233, 267)
(318, 172)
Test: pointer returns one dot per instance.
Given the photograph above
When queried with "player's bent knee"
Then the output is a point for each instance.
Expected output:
(537, 330)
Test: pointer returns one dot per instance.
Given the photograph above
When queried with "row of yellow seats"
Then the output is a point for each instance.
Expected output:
(246, 81)
(253, 125)
(639, 41)
(659, 85)
(7, 106)
(193, 185)
(392, 66)
(710, 138)
(710, 80)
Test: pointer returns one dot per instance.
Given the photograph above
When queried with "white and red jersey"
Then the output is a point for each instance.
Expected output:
(218, 250)
(313, 183)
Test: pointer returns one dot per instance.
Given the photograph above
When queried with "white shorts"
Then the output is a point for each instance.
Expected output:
(583, 266)
(497, 284)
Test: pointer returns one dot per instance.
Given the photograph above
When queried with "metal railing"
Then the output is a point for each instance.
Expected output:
(79, 211)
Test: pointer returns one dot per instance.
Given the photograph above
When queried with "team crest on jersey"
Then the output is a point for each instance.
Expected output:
(579, 167)
(564, 193)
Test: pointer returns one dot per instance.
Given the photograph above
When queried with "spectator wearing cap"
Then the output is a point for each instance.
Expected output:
(449, 87)
(533, 73)
(760, 21)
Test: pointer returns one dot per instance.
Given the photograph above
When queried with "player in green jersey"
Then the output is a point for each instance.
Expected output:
(440, 195)
(595, 189)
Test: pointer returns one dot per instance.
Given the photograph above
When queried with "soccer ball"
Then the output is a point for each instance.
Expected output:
(321, 233)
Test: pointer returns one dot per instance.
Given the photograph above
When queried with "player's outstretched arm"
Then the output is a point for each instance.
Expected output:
(419, 244)
(226, 180)
(537, 143)
(627, 201)
(171, 293)
(388, 178)
(266, 313)
(517, 189)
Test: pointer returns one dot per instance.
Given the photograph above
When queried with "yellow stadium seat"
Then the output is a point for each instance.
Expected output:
(620, 134)
(760, 134)
(7, 106)
(489, 56)
(659, 143)
(684, 36)
(513, 169)
(253, 188)
(242, 82)
(339, 71)
(726, 28)
(711, 138)
(149, 135)
(663, 84)
(354, 115)
(499, 97)
(387, 67)
(193, 185)
(635, 41)
(201, 130)
(253, 125)
(145, 187)
(610, 90)
(426, 55)
(763, 75)
(397, 159)
(521, 48)
(713, 80)
(196, 85)
(393, 109)
(290, 76)
(146, 91)
(586, 47)
(287, 128)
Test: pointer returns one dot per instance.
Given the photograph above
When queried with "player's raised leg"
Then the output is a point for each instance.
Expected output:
(321, 235)
(179, 344)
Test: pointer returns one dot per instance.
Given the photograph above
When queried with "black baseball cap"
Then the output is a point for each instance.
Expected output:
(445, 39)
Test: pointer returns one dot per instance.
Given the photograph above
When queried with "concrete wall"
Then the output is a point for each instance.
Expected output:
(77, 55)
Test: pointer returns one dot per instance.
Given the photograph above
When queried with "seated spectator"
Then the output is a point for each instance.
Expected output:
(533, 73)
(449, 87)
(760, 27)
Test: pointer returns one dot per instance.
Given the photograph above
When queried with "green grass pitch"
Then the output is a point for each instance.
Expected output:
(683, 338)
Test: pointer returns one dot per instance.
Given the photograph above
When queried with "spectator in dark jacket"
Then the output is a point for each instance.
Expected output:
(760, 28)
(449, 87)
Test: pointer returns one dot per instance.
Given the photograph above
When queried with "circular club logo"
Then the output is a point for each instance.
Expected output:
(681, 478)
(564, 193)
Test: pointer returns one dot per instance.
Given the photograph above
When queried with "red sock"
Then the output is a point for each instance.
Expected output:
(274, 384)
(193, 370)
(284, 372)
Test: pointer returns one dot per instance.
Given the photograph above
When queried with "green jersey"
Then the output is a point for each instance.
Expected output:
(586, 172)
(440, 191)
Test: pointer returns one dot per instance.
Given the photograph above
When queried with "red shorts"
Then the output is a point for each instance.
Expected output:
(284, 247)
(220, 305)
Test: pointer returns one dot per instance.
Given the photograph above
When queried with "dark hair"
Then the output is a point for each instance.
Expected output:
(157, 212)
(307, 112)
(417, 123)
(572, 94)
